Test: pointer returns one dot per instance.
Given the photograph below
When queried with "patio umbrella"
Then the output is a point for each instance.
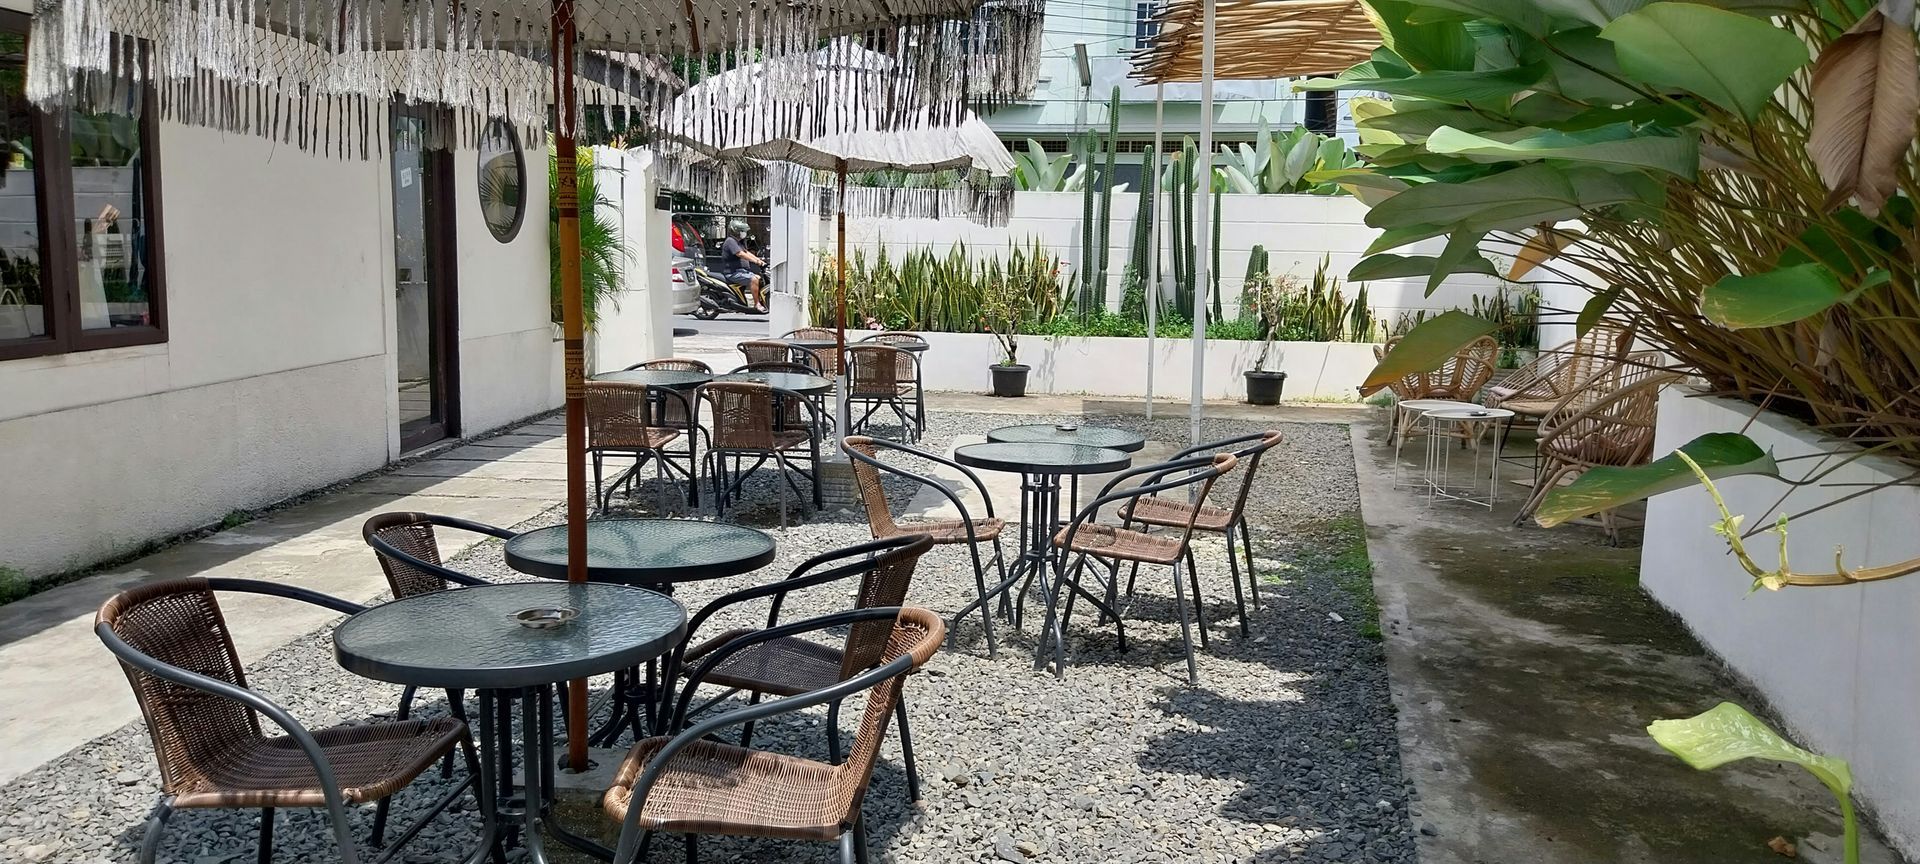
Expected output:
(319, 74)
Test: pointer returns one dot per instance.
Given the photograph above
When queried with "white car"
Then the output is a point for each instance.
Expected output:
(686, 294)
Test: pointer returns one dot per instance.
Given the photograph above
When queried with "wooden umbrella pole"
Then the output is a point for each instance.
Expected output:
(573, 333)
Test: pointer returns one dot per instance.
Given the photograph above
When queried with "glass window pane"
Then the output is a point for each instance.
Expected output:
(110, 215)
(23, 306)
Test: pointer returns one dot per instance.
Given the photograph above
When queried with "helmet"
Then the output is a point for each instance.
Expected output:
(737, 226)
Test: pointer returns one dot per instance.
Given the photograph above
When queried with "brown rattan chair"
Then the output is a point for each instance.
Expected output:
(1176, 511)
(1459, 378)
(867, 468)
(775, 351)
(901, 339)
(825, 360)
(675, 364)
(1613, 427)
(625, 419)
(793, 415)
(791, 666)
(178, 655)
(1086, 537)
(1537, 388)
(743, 425)
(882, 376)
(691, 784)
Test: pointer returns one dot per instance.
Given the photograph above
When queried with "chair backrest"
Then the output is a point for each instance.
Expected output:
(178, 623)
(674, 364)
(1601, 347)
(742, 414)
(873, 494)
(1459, 377)
(411, 533)
(877, 370)
(884, 584)
(766, 351)
(618, 414)
(782, 366)
(896, 337)
(1614, 425)
(916, 633)
(1250, 467)
(810, 333)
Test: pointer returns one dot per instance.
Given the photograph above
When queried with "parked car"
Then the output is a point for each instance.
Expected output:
(686, 292)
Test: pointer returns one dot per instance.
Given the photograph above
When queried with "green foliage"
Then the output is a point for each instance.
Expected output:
(603, 258)
(1106, 193)
(1035, 171)
(927, 291)
(235, 519)
(1514, 310)
(1086, 301)
(1141, 253)
(13, 585)
(1729, 733)
(1213, 267)
(1280, 162)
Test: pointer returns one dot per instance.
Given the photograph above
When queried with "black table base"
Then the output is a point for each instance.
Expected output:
(1041, 565)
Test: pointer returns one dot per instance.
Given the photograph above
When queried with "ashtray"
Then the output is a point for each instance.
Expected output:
(545, 617)
(1481, 413)
(1067, 427)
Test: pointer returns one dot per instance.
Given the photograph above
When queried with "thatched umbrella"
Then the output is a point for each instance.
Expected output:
(317, 74)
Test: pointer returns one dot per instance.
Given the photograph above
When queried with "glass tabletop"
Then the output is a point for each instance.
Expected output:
(678, 379)
(1042, 458)
(1050, 433)
(470, 638)
(645, 551)
(794, 381)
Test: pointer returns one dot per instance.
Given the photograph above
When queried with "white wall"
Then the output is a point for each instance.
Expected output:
(278, 375)
(1836, 663)
(1297, 230)
(640, 326)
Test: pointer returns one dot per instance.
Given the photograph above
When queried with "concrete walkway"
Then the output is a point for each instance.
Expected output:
(62, 689)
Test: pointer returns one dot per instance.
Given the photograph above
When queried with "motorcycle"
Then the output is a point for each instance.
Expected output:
(718, 295)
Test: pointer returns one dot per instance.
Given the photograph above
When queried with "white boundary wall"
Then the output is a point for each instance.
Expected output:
(1295, 229)
(1836, 663)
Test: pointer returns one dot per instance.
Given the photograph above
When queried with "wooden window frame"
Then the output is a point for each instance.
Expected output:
(53, 205)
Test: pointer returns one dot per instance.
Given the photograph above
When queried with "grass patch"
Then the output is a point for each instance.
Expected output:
(235, 519)
(1353, 570)
(13, 585)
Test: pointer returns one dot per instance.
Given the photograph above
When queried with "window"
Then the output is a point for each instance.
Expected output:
(79, 221)
(1144, 25)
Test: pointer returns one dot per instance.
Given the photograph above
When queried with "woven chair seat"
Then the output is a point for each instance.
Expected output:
(782, 667)
(714, 788)
(1173, 513)
(1531, 407)
(370, 762)
(637, 438)
(1107, 541)
(948, 531)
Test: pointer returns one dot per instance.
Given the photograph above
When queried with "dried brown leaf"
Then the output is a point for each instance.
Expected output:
(1546, 242)
(1783, 846)
(1866, 91)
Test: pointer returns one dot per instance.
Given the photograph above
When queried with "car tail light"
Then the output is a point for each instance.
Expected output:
(679, 242)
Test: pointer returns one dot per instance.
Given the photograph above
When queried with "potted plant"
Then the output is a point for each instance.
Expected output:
(1266, 295)
(1003, 305)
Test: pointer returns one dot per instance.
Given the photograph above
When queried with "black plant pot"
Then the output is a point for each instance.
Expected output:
(1263, 388)
(1009, 380)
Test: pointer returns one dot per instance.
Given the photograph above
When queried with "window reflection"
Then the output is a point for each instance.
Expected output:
(109, 208)
(23, 308)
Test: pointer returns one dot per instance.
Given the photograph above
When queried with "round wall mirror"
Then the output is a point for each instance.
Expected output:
(503, 181)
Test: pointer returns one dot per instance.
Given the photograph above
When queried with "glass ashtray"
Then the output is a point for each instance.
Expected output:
(545, 617)
(1067, 427)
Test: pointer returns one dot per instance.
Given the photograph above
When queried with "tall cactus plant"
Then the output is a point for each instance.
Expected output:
(1184, 294)
(1089, 264)
(1106, 191)
(1140, 250)
(1213, 272)
(1256, 264)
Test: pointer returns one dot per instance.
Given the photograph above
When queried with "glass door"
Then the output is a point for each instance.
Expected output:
(425, 319)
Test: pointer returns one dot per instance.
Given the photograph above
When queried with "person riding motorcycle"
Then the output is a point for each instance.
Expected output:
(734, 259)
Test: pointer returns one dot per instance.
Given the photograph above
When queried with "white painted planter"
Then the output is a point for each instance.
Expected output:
(1836, 663)
(1113, 366)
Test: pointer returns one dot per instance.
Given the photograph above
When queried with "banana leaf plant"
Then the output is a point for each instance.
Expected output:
(1281, 162)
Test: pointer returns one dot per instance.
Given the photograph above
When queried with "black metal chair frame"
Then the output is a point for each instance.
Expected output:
(713, 458)
(330, 787)
(915, 422)
(662, 457)
(919, 382)
(853, 841)
(998, 558)
(802, 578)
(651, 364)
(1250, 462)
(1198, 469)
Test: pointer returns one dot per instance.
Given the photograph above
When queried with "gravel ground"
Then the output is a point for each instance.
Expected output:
(1286, 750)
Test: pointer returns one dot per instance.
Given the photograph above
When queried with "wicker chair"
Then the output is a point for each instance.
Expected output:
(743, 425)
(825, 360)
(408, 549)
(691, 784)
(178, 655)
(882, 376)
(626, 419)
(1459, 378)
(864, 452)
(902, 338)
(775, 351)
(675, 364)
(1612, 427)
(1537, 388)
(1086, 537)
(791, 666)
(1177, 512)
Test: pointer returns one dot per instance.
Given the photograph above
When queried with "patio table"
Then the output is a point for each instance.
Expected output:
(469, 639)
(1109, 437)
(1040, 466)
(669, 379)
(805, 385)
(644, 553)
(823, 344)
(1419, 408)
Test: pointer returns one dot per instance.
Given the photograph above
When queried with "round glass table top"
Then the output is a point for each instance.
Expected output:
(677, 379)
(645, 551)
(1042, 458)
(1049, 433)
(798, 383)
(914, 347)
(809, 344)
(471, 638)
(1476, 412)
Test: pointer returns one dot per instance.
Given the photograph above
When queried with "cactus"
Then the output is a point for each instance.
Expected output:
(1140, 255)
(1089, 264)
(1213, 272)
(1256, 264)
(1188, 188)
(1106, 192)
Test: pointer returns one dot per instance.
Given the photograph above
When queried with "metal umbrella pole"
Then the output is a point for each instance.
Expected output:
(841, 416)
(1202, 262)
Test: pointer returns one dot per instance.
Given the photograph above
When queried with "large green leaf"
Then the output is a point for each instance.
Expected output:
(1418, 122)
(1600, 12)
(1724, 57)
(1394, 238)
(1617, 146)
(1462, 247)
(1583, 67)
(1523, 14)
(1729, 733)
(1388, 265)
(1719, 454)
(1441, 45)
(1772, 298)
(1426, 346)
(1493, 86)
(1511, 200)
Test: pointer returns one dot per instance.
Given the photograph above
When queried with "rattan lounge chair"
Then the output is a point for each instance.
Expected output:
(882, 376)
(1613, 427)
(743, 425)
(825, 360)
(635, 420)
(1459, 378)
(775, 351)
(1537, 388)
(903, 338)
(174, 645)
(867, 467)
(691, 784)
(1176, 512)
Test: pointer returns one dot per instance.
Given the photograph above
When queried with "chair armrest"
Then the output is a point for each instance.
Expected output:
(470, 525)
(1196, 465)
(747, 640)
(381, 546)
(290, 592)
(930, 456)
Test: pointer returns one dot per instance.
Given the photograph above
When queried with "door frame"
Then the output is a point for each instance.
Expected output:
(443, 279)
